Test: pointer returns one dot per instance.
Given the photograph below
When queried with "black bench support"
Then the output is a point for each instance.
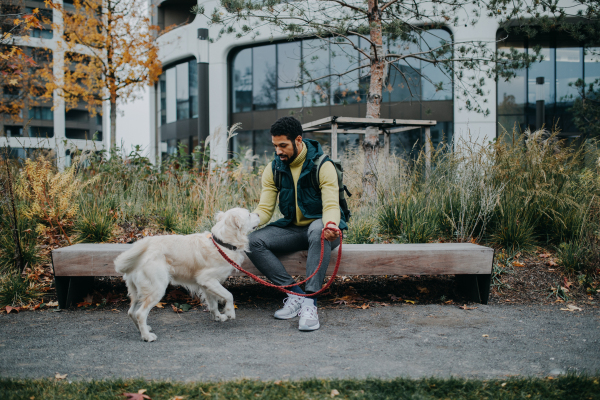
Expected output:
(71, 289)
(475, 287)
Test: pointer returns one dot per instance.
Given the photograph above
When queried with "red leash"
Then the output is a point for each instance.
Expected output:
(282, 288)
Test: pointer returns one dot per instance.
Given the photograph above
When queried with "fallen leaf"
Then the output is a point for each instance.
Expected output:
(10, 309)
(551, 263)
(277, 383)
(334, 393)
(518, 264)
(160, 305)
(185, 307)
(564, 289)
(449, 302)
(84, 304)
(60, 377)
(235, 306)
(544, 255)
(364, 306)
(137, 396)
(422, 289)
(503, 384)
(485, 335)
(175, 309)
(464, 307)
(571, 307)
(410, 301)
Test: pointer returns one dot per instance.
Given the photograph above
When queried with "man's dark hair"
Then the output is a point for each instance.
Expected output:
(289, 127)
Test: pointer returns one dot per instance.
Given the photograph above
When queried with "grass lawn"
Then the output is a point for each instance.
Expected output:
(567, 387)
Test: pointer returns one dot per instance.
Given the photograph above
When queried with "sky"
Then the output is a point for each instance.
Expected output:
(133, 127)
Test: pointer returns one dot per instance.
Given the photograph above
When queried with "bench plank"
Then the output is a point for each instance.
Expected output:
(357, 259)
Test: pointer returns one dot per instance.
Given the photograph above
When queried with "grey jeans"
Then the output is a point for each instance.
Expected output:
(271, 239)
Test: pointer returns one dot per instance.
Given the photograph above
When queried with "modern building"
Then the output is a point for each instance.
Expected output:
(48, 125)
(210, 85)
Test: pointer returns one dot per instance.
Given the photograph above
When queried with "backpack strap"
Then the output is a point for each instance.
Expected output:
(314, 177)
(276, 177)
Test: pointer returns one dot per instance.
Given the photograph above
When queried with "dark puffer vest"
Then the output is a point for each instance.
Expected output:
(309, 199)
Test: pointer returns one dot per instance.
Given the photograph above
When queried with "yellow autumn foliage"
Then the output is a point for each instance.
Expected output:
(50, 195)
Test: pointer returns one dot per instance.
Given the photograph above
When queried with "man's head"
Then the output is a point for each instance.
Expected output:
(286, 134)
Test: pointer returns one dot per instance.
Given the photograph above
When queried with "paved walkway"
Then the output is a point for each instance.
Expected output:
(407, 340)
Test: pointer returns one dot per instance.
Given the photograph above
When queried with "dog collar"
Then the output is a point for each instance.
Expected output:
(223, 244)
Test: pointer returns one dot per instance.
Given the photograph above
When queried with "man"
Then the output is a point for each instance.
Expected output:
(305, 210)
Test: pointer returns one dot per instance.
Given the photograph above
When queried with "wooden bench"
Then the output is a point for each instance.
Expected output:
(76, 266)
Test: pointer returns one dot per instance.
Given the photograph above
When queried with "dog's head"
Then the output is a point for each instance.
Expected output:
(233, 226)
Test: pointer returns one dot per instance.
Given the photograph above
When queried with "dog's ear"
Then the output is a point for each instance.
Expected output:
(237, 220)
(219, 216)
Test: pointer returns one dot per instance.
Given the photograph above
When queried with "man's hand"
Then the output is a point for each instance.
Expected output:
(331, 235)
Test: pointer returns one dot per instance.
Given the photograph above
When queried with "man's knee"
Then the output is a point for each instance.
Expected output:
(256, 240)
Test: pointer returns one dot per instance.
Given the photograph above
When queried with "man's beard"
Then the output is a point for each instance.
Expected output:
(293, 157)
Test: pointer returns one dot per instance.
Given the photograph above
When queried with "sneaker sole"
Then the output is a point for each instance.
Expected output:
(309, 328)
(286, 317)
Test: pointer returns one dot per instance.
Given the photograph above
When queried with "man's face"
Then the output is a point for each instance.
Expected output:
(287, 150)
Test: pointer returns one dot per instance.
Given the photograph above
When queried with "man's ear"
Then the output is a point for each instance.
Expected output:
(219, 216)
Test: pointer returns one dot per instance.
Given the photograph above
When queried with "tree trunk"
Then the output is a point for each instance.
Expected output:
(371, 141)
(113, 123)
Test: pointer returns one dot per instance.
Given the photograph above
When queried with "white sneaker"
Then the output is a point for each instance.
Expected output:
(309, 319)
(291, 308)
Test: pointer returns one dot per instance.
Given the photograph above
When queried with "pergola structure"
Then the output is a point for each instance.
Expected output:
(336, 125)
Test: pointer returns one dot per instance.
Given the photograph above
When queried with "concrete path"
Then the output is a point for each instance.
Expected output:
(408, 340)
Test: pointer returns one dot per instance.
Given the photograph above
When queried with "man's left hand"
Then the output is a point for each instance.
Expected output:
(329, 234)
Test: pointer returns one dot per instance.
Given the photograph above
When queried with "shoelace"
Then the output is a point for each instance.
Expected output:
(309, 312)
(290, 302)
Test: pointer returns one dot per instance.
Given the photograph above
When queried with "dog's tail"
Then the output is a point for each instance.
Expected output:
(128, 260)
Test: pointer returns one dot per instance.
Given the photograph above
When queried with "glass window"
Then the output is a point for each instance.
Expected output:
(162, 98)
(171, 93)
(77, 116)
(42, 113)
(344, 57)
(82, 134)
(13, 131)
(544, 69)
(263, 145)
(264, 82)
(364, 73)
(512, 94)
(592, 64)
(405, 84)
(289, 74)
(193, 79)
(41, 131)
(242, 81)
(289, 58)
(437, 84)
(183, 91)
(242, 142)
(315, 53)
(569, 68)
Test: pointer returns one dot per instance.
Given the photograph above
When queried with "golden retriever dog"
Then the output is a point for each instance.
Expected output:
(191, 261)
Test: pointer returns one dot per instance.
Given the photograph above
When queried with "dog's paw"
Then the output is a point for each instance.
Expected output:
(220, 317)
(150, 337)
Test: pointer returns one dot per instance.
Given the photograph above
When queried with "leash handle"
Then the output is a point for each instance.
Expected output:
(282, 288)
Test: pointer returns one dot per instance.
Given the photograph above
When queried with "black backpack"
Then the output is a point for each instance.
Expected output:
(314, 180)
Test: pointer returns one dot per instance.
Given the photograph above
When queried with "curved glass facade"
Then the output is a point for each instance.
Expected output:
(264, 80)
(564, 62)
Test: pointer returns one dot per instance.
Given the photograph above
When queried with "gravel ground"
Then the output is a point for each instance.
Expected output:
(493, 341)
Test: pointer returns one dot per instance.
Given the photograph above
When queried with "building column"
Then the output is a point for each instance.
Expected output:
(471, 125)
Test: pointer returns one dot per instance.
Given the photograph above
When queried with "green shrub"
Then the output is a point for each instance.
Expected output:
(420, 219)
(360, 229)
(16, 291)
(573, 256)
(514, 224)
(185, 225)
(30, 250)
(389, 219)
(95, 224)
